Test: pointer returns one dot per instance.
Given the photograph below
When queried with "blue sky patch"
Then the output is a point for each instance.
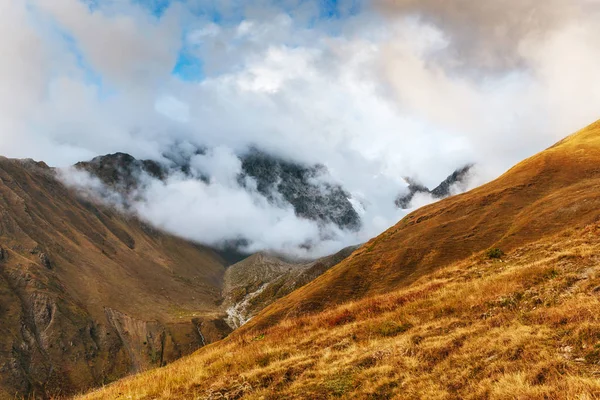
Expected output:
(188, 67)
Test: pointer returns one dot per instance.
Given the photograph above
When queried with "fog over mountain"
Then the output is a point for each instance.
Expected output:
(372, 91)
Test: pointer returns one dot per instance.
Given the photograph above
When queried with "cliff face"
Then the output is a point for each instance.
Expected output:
(325, 202)
(88, 295)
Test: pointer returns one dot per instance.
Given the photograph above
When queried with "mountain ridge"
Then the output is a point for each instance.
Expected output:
(75, 275)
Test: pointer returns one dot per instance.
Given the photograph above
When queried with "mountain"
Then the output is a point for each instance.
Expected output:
(323, 202)
(275, 178)
(521, 327)
(492, 294)
(89, 294)
(444, 189)
(122, 171)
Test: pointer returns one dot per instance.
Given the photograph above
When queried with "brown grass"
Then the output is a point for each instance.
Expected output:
(523, 327)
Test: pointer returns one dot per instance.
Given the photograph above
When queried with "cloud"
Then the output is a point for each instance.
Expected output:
(375, 93)
(487, 34)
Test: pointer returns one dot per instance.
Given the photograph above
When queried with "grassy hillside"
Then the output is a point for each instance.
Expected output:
(525, 326)
(538, 197)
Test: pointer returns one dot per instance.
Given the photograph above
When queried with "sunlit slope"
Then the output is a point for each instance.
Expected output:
(553, 190)
(526, 326)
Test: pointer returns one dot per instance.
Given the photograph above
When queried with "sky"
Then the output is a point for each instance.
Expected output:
(375, 90)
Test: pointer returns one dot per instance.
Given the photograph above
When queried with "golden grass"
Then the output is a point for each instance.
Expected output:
(526, 326)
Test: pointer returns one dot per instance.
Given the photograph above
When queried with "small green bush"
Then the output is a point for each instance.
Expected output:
(495, 253)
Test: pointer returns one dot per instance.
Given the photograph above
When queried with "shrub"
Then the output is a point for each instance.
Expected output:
(495, 253)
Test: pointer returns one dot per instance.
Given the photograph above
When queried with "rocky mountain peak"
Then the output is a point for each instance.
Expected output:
(121, 170)
(460, 176)
(276, 179)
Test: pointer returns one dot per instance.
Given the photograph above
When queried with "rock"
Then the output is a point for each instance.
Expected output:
(45, 260)
(121, 171)
(2, 254)
(278, 180)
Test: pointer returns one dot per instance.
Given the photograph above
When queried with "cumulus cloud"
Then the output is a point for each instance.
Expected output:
(379, 91)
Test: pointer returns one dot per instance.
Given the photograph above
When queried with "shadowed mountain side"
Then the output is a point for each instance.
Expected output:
(553, 190)
(88, 295)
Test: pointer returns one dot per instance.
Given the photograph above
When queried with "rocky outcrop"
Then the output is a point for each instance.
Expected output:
(122, 171)
(458, 178)
(145, 342)
(323, 202)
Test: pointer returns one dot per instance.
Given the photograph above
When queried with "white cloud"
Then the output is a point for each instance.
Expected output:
(173, 108)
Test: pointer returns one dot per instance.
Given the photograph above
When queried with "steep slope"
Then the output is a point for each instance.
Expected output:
(523, 327)
(545, 194)
(88, 295)
(259, 280)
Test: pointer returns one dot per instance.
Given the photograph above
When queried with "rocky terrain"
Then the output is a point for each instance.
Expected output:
(298, 185)
(276, 179)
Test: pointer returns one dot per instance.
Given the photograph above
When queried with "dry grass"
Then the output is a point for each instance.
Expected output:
(526, 326)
